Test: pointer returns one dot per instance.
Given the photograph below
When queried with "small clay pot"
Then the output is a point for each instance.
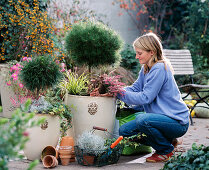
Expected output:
(49, 161)
(65, 159)
(72, 159)
(49, 150)
(65, 150)
(88, 160)
(67, 141)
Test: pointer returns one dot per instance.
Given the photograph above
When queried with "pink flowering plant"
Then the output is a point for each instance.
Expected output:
(14, 82)
(19, 87)
(106, 85)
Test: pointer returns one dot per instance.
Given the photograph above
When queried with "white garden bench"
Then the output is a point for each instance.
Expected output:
(181, 60)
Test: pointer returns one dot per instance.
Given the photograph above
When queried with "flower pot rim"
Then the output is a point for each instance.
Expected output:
(79, 96)
(49, 146)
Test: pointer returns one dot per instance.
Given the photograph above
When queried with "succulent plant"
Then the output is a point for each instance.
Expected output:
(91, 143)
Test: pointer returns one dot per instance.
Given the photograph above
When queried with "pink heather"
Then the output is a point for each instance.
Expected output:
(62, 70)
(62, 65)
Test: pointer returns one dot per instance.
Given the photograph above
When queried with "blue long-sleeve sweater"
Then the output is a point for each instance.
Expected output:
(157, 91)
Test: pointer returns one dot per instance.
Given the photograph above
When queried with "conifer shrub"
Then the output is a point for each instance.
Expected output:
(40, 74)
(93, 44)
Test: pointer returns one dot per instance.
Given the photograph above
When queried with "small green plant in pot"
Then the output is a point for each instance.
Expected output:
(40, 74)
(93, 44)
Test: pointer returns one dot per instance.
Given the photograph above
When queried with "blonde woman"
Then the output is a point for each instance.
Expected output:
(167, 117)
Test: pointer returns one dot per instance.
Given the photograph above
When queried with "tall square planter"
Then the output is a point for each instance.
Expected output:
(7, 95)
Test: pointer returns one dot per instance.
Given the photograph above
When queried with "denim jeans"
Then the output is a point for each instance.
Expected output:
(159, 129)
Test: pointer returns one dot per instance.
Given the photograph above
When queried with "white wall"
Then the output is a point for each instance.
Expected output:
(122, 24)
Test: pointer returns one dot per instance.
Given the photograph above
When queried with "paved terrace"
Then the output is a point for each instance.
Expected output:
(199, 133)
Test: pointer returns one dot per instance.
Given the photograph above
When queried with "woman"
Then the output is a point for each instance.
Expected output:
(167, 117)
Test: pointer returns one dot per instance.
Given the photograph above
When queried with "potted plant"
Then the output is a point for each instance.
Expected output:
(91, 44)
(37, 76)
(88, 146)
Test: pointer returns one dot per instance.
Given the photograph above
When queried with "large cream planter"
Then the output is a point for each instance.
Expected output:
(39, 137)
(92, 111)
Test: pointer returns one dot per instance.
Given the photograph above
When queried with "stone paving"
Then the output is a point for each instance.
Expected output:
(199, 133)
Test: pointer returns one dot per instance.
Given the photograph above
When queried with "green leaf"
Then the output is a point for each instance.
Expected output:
(3, 121)
(33, 164)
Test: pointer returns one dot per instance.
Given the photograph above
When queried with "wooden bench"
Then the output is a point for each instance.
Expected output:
(181, 60)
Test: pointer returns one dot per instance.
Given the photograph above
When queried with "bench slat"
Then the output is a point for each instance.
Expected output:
(181, 63)
(183, 69)
(181, 60)
(180, 66)
(175, 51)
(183, 73)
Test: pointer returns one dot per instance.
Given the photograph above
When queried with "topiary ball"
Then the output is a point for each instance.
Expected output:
(93, 44)
(40, 73)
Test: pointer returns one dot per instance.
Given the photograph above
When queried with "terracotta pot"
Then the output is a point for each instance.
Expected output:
(65, 150)
(88, 160)
(67, 141)
(49, 150)
(72, 159)
(50, 161)
(65, 159)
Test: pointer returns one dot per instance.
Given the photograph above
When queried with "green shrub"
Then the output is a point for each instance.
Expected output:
(129, 60)
(93, 44)
(195, 158)
(200, 77)
(40, 74)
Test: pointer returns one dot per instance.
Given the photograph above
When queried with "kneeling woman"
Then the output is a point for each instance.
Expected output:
(167, 117)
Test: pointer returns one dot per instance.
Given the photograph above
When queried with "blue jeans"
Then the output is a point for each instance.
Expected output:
(159, 129)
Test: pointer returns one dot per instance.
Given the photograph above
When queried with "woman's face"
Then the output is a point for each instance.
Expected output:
(143, 56)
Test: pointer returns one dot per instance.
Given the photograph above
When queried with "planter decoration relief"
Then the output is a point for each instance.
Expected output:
(92, 108)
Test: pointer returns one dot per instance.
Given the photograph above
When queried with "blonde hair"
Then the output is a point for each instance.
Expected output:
(151, 42)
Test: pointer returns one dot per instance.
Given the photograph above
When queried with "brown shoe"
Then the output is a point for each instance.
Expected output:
(176, 142)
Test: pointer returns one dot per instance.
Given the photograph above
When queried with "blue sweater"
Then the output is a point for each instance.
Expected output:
(157, 91)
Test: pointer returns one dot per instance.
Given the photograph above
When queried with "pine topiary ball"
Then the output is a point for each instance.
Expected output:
(93, 44)
(40, 74)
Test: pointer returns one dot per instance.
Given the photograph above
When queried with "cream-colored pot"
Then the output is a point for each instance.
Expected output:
(46, 134)
(92, 111)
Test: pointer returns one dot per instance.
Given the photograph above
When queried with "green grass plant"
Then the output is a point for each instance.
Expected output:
(75, 84)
